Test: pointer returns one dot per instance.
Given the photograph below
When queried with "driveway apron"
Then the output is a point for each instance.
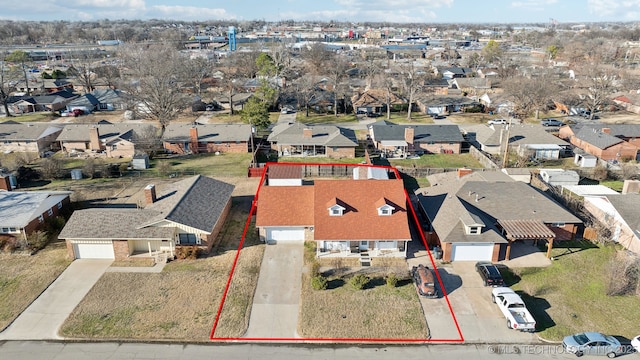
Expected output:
(274, 313)
(42, 319)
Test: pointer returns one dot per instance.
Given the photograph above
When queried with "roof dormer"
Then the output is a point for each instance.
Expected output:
(384, 208)
(334, 207)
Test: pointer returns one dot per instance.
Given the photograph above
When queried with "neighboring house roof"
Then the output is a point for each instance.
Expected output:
(107, 132)
(422, 133)
(478, 83)
(285, 206)
(519, 134)
(308, 205)
(597, 138)
(285, 172)
(113, 223)
(48, 99)
(445, 100)
(107, 96)
(617, 130)
(18, 208)
(26, 132)
(326, 135)
(375, 97)
(179, 132)
(590, 190)
(627, 206)
(196, 202)
(86, 100)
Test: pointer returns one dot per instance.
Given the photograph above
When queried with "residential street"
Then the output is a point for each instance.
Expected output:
(115, 351)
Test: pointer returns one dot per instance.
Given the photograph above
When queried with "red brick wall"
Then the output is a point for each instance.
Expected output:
(446, 251)
(35, 224)
(210, 240)
(242, 147)
(496, 253)
(121, 249)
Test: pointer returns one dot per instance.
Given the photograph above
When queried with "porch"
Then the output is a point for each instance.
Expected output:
(361, 249)
(302, 150)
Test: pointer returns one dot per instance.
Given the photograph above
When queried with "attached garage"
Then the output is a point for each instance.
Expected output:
(93, 250)
(471, 251)
(277, 234)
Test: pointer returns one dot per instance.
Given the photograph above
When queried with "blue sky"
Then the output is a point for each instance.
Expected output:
(424, 11)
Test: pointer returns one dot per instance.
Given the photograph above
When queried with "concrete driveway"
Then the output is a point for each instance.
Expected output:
(274, 313)
(42, 319)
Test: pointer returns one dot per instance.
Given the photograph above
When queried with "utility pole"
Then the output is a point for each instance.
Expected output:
(505, 159)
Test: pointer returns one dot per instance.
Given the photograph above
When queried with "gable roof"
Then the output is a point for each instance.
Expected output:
(519, 134)
(627, 206)
(422, 133)
(25, 131)
(180, 132)
(326, 135)
(196, 202)
(617, 130)
(285, 206)
(597, 138)
(18, 208)
(445, 100)
(107, 132)
(87, 100)
(375, 97)
(113, 223)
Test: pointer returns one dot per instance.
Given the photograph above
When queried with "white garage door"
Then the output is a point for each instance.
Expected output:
(471, 252)
(97, 250)
(285, 234)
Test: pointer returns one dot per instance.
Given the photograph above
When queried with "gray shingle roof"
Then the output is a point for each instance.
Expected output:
(597, 138)
(422, 133)
(80, 132)
(20, 131)
(196, 202)
(617, 130)
(179, 132)
(325, 135)
(444, 100)
(519, 134)
(627, 207)
(112, 223)
(18, 208)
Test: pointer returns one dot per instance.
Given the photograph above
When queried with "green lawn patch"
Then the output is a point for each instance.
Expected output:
(613, 184)
(569, 296)
(223, 165)
(439, 161)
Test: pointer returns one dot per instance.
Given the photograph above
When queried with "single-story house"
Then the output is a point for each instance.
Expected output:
(498, 102)
(189, 212)
(296, 139)
(182, 138)
(400, 140)
(114, 140)
(375, 101)
(524, 139)
(476, 216)
(621, 215)
(444, 104)
(23, 212)
(606, 141)
(559, 177)
(351, 218)
(28, 137)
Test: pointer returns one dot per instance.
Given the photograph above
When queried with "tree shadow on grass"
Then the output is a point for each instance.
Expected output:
(538, 307)
(335, 283)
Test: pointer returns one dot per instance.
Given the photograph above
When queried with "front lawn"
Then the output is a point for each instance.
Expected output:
(376, 312)
(179, 303)
(24, 278)
(569, 296)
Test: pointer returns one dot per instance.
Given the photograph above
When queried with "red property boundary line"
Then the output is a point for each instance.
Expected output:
(332, 340)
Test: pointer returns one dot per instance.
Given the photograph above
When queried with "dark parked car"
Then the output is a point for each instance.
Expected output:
(425, 281)
(372, 115)
(489, 273)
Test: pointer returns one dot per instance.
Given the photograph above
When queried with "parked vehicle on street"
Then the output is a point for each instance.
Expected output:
(513, 309)
(551, 122)
(489, 273)
(497, 122)
(425, 281)
(592, 343)
(635, 342)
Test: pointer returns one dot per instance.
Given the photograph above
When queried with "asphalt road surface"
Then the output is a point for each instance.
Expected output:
(32, 350)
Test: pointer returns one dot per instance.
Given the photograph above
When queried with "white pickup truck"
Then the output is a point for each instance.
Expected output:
(513, 308)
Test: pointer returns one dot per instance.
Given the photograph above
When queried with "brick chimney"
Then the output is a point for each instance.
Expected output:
(193, 139)
(464, 171)
(606, 130)
(307, 133)
(150, 194)
(409, 133)
(94, 139)
(5, 183)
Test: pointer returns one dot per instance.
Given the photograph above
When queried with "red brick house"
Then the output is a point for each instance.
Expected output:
(207, 138)
(23, 212)
(188, 212)
(296, 139)
(350, 218)
(607, 142)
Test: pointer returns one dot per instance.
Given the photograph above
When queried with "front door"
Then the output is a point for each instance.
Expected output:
(364, 246)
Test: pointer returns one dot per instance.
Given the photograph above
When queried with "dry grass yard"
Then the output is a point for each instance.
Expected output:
(24, 278)
(376, 312)
(181, 302)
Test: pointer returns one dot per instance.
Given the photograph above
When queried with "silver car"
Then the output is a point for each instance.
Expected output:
(592, 343)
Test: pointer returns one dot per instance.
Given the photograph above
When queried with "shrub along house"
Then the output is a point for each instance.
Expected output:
(206, 138)
(188, 212)
(478, 216)
(349, 218)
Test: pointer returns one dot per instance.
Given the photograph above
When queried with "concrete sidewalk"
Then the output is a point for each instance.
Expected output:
(274, 313)
(42, 319)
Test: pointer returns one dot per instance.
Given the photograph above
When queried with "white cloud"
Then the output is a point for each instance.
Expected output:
(126, 4)
(375, 10)
(618, 10)
(188, 13)
(534, 5)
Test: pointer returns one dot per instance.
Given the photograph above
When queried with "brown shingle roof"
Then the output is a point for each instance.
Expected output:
(285, 206)
(361, 220)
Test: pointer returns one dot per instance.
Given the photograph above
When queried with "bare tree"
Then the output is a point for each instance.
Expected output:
(598, 84)
(413, 80)
(316, 56)
(22, 58)
(148, 139)
(337, 73)
(156, 81)
(109, 74)
(195, 71)
(529, 94)
(230, 83)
